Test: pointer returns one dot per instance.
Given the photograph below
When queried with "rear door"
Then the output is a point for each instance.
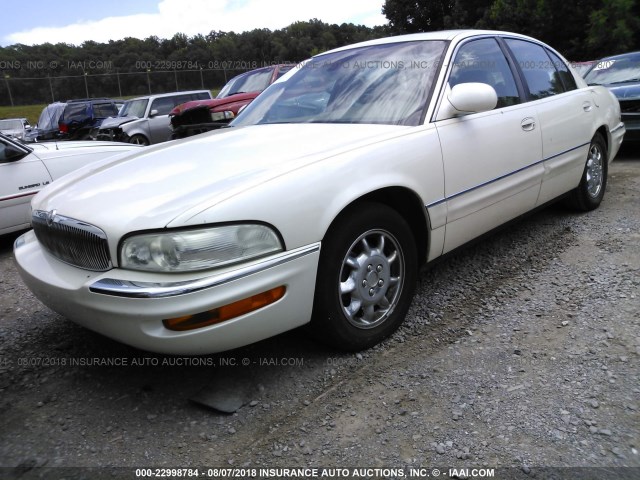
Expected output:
(491, 159)
(565, 114)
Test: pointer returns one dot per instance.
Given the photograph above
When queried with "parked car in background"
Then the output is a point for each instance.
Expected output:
(15, 127)
(26, 169)
(621, 75)
(200, 116)
(145, 120)
(322, 199)
(82, 115)
(583, 67)
(47, 127)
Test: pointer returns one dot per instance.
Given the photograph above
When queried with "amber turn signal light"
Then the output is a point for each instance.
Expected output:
(226, 312)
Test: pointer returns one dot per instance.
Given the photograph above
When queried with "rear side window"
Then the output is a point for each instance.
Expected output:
(563, 70)
(75, 111)
(541, 76)
(482, 61)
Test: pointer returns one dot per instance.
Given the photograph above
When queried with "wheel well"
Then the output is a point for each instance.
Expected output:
(605, 135)
(409, 206)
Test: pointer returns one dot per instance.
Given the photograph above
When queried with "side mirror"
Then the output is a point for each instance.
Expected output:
(466, 98)
(153, 113)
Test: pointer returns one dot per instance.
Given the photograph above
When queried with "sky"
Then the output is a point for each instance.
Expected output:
(76, 21)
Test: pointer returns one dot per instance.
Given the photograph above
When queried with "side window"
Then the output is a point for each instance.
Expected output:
(9, 153)
(483, 61)
(539, 72)
(563, 71)
(179, 100)
(163, 105)
(75, 111)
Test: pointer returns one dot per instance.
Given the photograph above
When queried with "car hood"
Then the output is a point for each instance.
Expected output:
(151, 188)
(113, 122)
(40, 148)
(214, 102)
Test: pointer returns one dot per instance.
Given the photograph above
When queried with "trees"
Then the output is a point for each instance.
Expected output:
(409, 16)
(130, 66)
(615, 27)
(581, 30)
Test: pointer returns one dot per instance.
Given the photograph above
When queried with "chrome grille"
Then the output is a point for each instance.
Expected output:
(72, 241)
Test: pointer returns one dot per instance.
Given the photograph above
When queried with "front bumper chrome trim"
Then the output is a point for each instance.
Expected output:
(131, 289)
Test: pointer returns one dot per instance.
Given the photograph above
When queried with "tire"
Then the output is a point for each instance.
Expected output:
(589, 194)
(366, 277)
(139, 140)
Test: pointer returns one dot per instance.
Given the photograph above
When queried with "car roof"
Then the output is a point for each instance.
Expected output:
(170, 94)
(446, 35)
(79, 100)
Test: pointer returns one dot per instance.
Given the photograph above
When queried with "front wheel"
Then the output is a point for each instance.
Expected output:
(589, 194)
(366, 277)
(139, 140)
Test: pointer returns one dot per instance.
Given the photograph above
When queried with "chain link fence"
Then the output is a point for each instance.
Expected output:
(35, 90)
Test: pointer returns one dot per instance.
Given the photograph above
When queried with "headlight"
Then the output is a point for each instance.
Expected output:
(220, 116)
(189, 250)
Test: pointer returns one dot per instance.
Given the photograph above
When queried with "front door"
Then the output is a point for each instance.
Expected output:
(492, 160)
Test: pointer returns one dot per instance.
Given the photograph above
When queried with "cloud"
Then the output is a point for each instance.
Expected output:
(202, 16)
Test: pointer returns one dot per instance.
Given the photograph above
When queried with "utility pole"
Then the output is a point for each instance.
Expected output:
(6, 79)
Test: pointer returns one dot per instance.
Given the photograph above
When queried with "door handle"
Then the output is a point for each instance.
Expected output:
(586, 106)
(528, 124)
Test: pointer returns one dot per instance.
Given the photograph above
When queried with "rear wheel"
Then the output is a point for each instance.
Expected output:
(589, 194)
(139, 140)
(366, 277)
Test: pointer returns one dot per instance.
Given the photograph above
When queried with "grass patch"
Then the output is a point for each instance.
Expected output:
(30, 112)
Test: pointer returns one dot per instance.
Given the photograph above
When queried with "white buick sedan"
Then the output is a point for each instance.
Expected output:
(322, 200)
(26, 169)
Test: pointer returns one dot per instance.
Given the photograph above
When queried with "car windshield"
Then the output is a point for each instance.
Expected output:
(615, 70)
(379, 84)
(249, 82)
(10, 125)
(134, 108)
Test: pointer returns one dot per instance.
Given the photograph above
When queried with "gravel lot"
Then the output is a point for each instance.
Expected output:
(519, 353)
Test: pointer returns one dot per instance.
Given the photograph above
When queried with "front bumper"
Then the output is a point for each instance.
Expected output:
(129, 306)
(115, 134)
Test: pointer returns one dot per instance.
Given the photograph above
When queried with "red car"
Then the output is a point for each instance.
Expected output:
(200, 116)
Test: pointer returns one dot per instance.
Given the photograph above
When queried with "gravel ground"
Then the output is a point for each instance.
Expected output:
(519, 353)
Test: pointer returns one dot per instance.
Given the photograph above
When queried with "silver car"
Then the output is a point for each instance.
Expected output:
(145, 120)
(15, 127)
